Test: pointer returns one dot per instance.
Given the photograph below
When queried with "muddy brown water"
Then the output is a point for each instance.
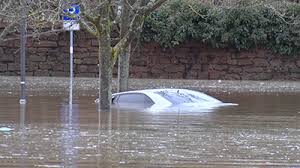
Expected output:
(263, 131)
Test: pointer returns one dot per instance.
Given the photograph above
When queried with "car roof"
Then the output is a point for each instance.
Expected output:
(150, 91)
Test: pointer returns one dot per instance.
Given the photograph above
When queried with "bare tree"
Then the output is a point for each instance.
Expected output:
(101, 21)
(124, 58)
(43, 17)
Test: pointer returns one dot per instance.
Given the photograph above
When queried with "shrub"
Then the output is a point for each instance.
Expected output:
(274, 25)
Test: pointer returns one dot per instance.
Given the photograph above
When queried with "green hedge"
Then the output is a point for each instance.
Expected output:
(273, 25)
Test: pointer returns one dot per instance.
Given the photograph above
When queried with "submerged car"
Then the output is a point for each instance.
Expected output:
(165, 99)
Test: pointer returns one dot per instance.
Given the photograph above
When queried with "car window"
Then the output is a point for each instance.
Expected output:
(137, 99)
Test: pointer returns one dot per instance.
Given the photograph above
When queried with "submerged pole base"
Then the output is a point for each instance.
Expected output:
(23, 101)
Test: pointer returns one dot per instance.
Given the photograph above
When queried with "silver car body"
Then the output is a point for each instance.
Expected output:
(174, 99)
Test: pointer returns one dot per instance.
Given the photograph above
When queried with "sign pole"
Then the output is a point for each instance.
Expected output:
(23, 53)
(71, 67)
(71, 24)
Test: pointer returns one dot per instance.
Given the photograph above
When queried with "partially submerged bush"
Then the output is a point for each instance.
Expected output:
(274, 25)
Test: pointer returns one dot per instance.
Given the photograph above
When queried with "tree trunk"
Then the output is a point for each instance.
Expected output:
(123, 69)
(124, 58)
(105, 73)
(105, 59)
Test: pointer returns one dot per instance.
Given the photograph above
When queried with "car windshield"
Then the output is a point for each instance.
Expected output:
(179, 97)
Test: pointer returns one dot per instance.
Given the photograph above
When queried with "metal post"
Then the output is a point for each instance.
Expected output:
(23, 53)
(71, 68)
(22, 135)
(22, 115)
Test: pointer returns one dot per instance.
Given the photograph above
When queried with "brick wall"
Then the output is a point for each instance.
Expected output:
(49, 56)
(196, 61)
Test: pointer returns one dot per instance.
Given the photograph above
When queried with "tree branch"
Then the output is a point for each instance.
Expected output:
(33, 35)
(135, 28)
(153, 6)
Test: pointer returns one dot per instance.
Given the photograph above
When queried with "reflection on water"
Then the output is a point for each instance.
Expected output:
(263, 130)
(70, 133)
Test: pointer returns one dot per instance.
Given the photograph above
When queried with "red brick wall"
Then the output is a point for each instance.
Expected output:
(194, 60)
(50, 56)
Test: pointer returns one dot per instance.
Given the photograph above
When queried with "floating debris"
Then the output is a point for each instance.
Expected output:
(5, 129)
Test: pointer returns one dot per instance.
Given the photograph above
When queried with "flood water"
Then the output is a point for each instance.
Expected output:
(263, 131)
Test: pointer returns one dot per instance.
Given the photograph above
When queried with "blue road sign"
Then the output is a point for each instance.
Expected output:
(72, 13)
(71, 17)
